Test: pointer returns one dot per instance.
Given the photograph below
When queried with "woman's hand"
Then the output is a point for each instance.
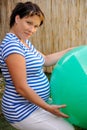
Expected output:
(52, 59)
(68, 49)
(54, 109)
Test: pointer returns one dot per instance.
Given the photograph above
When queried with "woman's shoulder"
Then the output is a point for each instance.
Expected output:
(10, 40)
(9, 37)
(11, 44)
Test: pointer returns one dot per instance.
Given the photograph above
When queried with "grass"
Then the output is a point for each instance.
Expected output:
(4, 125)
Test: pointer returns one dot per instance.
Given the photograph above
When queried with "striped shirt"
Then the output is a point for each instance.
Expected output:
(15, 107)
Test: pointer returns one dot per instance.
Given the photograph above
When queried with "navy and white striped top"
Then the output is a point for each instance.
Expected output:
(15, 107)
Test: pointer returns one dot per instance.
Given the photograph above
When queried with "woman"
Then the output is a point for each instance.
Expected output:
(27, 90)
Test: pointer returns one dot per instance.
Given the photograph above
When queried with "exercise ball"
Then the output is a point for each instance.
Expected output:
(68, 84)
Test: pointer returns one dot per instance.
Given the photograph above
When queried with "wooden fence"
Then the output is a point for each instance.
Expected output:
(65, 24)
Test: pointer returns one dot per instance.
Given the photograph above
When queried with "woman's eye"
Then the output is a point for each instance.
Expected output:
(36, 26)
(29, 23)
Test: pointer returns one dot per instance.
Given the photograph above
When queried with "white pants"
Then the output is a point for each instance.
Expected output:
(43, 120)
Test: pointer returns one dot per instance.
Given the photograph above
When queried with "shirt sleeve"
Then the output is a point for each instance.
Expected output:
(12, 47)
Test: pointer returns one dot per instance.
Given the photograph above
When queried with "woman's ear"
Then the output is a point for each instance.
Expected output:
(17, 18)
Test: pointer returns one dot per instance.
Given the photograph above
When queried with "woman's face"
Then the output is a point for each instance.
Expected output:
(26, 26)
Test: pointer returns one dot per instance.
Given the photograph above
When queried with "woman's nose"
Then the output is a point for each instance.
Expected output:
(31, 28)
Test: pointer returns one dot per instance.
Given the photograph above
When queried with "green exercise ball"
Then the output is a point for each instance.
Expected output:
(69, 85)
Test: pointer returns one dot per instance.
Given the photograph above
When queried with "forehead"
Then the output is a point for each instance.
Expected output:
(33, 18)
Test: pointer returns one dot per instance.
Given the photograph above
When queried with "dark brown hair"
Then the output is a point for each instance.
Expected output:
(26, 9)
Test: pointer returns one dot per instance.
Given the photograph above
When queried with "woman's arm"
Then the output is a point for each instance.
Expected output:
(17, 69)
(53, 58)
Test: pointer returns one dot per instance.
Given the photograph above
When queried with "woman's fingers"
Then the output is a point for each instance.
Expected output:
(56, 110)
